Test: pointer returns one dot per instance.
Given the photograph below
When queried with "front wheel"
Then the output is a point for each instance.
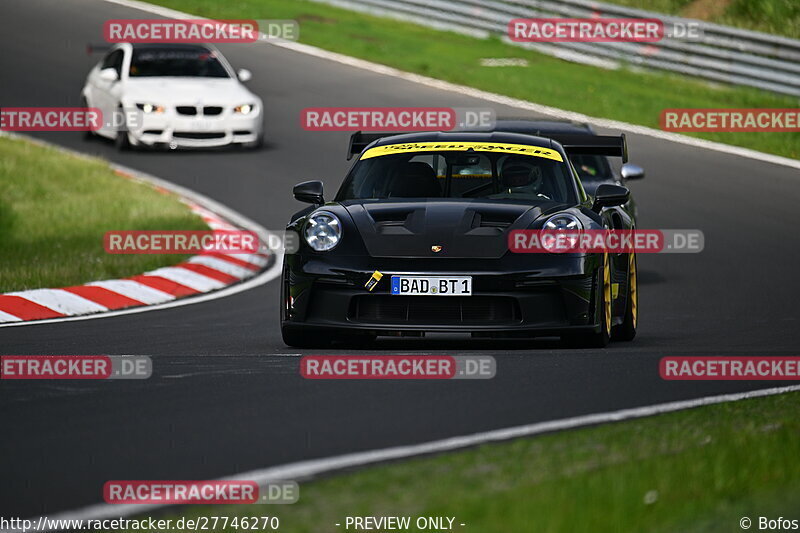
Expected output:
(88, 134)
(627, 330)
(122, 142)
(297, 338)
(255, 145)
(601, 338)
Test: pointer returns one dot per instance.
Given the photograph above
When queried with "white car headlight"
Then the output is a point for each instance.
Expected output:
(150, 108)
(563, 221)
(244, 109)
(323, 231)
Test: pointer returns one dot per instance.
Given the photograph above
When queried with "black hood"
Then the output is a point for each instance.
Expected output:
(463, 228)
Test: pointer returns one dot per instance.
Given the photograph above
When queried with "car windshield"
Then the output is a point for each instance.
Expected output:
(194, 63)
(470, 174)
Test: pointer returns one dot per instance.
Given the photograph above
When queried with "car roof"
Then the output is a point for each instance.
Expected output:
(170, 46)
(541, 127)
(483, 136)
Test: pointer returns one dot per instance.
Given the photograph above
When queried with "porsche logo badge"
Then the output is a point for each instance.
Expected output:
(436, 248)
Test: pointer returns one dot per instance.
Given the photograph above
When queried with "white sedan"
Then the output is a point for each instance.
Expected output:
(174, 95)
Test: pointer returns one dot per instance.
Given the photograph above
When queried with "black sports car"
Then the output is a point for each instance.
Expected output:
(415, 241)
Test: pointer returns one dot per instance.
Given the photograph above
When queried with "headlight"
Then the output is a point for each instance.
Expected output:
(150, 108)
(566, 237)
(244, 109)
(323, 231)
(563, 221)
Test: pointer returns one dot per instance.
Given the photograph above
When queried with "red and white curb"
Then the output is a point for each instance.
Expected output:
(198, 277)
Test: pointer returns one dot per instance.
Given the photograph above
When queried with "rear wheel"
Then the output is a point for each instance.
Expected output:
(627, 330)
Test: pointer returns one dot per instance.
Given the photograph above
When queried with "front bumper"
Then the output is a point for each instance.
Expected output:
(518, 295)
(179, 131)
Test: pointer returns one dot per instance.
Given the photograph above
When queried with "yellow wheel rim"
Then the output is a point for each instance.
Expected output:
(633, 288)
(607, 291)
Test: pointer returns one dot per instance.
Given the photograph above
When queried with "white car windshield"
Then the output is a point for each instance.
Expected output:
(195, 62)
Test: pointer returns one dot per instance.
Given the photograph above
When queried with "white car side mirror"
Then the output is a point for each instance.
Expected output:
(108, 74)
(244, 74)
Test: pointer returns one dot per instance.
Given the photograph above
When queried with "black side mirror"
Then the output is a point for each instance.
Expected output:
(608, 195)
(632, 172)
(309, 192)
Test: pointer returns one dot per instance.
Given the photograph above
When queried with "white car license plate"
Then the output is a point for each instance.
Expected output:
(432, 285)
(201, 125)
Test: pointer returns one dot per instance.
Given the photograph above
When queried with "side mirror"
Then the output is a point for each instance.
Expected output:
(608, 195)
(109, 74)
(632, 172)
(309, 192)
(244, 75)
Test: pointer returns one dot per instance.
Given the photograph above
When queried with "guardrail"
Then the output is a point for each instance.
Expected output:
(722, 54)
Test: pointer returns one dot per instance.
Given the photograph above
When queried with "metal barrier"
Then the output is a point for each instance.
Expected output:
(722, 54)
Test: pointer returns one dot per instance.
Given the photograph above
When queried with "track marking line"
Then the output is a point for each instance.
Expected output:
(304, 470)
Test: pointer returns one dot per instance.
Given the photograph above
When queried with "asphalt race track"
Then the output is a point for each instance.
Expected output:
(226, 395)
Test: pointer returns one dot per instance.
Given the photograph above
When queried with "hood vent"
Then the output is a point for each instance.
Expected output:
(465, 229)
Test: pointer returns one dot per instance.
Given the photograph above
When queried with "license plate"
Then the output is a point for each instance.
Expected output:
(201, 125)
(432, 285)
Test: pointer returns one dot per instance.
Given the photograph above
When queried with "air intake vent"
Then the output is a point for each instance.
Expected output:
(435, 310)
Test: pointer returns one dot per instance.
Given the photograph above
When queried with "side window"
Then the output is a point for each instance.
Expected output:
(114, 60)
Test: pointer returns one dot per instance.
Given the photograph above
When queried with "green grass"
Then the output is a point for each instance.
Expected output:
(635, 97)
(55, 209)
(689, 471)
(780, 17)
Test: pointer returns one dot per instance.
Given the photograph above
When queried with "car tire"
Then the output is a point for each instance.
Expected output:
(627, 330)
(298, 338)
(122, 142)
(255, 145)
(599, 339)
(88, 135)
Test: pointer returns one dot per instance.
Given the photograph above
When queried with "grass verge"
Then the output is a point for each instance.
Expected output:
(696, 470)
(55, 209)
(635, 97)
